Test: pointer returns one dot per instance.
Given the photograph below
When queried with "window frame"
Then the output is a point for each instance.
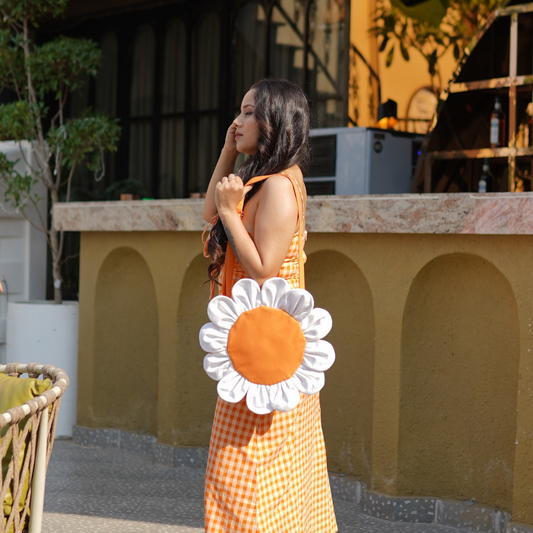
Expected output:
(124, 26)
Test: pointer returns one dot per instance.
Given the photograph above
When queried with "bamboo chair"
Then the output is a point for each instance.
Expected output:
(30, 431)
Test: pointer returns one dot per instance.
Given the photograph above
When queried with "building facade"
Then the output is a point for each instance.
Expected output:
(174, 74)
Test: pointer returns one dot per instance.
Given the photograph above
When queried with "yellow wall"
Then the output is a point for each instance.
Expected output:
(196, 394)
(340, 287)
(125, 339)
(432, 384)
(460, 351)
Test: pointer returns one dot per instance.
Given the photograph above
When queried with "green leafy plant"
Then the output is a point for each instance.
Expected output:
(40, 75)
(401, 32)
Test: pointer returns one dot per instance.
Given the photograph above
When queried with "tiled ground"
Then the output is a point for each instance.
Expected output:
(117, 491)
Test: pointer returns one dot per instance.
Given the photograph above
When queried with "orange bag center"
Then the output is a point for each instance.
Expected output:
(266, 345)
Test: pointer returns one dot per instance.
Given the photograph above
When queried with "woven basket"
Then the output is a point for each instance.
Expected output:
(31, 425)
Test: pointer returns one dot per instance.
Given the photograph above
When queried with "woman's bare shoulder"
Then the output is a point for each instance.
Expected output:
(278, 181)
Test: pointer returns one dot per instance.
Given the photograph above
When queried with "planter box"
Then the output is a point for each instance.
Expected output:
(22, 246)
(47, 333)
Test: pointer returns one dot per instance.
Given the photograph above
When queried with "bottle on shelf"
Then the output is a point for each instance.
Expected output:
(485, 175)
(497, 125)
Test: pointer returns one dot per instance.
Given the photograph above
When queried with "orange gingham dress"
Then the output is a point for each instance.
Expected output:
(268, 473)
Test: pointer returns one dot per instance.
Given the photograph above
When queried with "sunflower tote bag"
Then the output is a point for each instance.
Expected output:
(266, 343)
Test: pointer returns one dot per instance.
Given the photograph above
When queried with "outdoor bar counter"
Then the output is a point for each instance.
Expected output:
(432, 305)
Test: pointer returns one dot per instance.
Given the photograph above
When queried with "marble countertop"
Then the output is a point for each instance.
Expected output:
(465, 213)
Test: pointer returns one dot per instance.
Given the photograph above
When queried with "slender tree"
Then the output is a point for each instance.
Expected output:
(38, 75)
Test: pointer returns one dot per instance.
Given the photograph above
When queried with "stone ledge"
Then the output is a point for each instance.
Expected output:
(396, 509)
(347, 488)
(461, 515)
(137, 442)
(460, 213)
(515, 527)
(471, 516)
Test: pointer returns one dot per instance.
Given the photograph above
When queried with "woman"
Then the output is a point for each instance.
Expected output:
(266, 473)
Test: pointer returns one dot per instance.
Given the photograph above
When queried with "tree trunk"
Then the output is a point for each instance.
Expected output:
(55, 245)
(56, 266)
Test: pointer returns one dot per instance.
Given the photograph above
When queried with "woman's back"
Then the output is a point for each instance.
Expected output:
(290, 268)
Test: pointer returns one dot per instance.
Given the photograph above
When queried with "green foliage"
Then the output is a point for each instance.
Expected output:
(390, 56)
(12, 73)
(18, 120)
(430, 11)
(31, 10)
(461, 22)
(18, 187)
(84, 137)
(6, 166)
(61, 65)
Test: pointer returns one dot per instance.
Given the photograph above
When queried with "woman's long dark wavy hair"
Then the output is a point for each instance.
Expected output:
(282, 114)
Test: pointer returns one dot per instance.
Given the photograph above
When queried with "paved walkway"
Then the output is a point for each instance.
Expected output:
(117, 491)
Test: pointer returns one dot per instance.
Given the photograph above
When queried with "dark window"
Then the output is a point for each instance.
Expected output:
(174, 75)
(287, 40)
(327, 51)
(249, 49)
(205, 77)
(173, 96)
(142, 104)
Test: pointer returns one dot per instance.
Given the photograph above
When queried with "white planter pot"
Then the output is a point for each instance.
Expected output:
(41, 332)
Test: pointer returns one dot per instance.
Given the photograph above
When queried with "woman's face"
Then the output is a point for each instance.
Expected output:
(247, 132)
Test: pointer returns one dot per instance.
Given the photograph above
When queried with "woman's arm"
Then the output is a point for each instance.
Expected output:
(225, 165)
(275, 221)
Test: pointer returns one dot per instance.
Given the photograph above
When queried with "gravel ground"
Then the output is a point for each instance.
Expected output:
(118, 491)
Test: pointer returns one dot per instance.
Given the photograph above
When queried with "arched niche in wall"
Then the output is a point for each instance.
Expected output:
(459, 368)
(339, 286)
(196, 392)
(126, 344)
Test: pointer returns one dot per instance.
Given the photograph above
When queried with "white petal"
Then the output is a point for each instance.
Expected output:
(308, 381)
(284, 396)
(217, 365)
(257, 399)
(316, 325)
(273, 290)
(233, 387)
(223, 311)
(319, 355)
(247, 293)
(212, 338)
(298, 303)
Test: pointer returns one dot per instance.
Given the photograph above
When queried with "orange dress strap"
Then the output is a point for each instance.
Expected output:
(229, 264)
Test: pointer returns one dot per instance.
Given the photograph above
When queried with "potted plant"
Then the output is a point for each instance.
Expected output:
(41, 78)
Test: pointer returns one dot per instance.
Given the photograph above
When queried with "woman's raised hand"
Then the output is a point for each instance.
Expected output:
(225, 165)
(229, 144)
(229, 192)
